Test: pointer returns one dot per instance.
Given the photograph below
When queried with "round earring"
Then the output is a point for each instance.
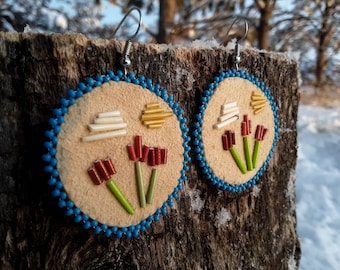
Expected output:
(113, 151)
(236, 129)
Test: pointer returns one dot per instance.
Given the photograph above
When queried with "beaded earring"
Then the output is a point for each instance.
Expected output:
(113, 151)
(236, 129)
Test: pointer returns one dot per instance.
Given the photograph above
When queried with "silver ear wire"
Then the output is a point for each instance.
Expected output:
(237, 57)
(125, 61)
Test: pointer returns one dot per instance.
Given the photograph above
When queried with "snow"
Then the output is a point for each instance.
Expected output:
(197, 203)
(222, 217)
(318, 187)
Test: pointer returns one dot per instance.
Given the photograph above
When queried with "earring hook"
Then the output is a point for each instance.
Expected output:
(237, 57)
(125, 60)
(125, 17)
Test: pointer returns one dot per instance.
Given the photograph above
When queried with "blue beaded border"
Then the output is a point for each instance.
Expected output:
(51, 160)
(197, 134)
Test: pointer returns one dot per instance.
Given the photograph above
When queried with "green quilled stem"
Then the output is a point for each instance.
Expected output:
(247, 153)
(120, 196)
(152, 184)
(238, 160)
(256, 152)
(140, 184)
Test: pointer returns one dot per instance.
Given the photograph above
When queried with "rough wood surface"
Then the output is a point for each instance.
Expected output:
(35, 72)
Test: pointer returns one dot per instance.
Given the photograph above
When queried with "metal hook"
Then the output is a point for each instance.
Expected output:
(237, 57)
(125, 60)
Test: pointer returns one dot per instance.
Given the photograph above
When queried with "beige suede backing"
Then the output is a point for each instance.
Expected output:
(75, 157)
(220, 161)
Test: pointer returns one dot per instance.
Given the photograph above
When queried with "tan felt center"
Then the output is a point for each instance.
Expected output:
(219, 160)
(75, 157)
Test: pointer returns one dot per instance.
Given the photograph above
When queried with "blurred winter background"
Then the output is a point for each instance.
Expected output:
(307, 29)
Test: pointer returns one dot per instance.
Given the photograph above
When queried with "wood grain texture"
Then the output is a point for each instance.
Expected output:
(35, 72)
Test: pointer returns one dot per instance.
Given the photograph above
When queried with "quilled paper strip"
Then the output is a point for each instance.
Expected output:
(201, 150)
(64, 202)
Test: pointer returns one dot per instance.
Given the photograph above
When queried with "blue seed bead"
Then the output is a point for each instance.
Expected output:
(128, 234)
(131, 75)
(106, 78)
(63, 195)
(90, 81)
(141, 78)
(53, 122)
(163, 93)
(52, 181)
(135, 81)
(97, 230)
(57, 112)
(148, 223)
(77, 219)
(156, 218)
(52, 151)
(64, 110)
(119, 234)
(87, 225)
(71, 93)
(89, 88)
(85, 217)
(69, 212)
(119, 73)
(61, 203)
(56, 193)
(108, 232)
(64, 102)
(54, 140)
(48, 169)
(81, 86)
(56, 129)
(55, 173)
(135, 233)
(111, 74)
(157, 87)
(46, 157)
(70, 204)
(94, 223)
(127, 79)
(114, 229)
(49, 134)
(96, 84)
(72, 101)
(59, 184)
(79, 94)
(149, 82)
(53, 162)
(99, 78)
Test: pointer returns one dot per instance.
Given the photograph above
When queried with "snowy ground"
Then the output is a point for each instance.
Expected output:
(318, 187)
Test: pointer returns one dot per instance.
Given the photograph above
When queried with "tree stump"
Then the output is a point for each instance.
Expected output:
(35, 72)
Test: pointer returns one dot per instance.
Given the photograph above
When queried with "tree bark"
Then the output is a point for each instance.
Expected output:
(266, 9)
(324, 38)
(167, 10)
(35, 72)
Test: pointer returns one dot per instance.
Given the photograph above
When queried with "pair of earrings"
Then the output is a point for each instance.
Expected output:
(117, 149)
